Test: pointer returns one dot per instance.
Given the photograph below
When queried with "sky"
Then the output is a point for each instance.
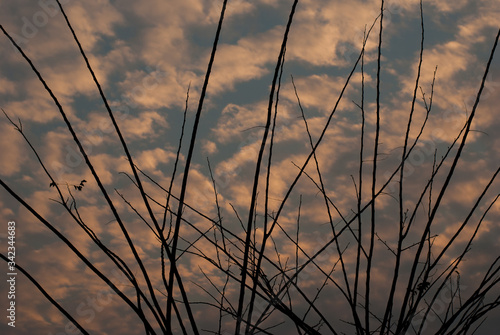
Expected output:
(150, 58)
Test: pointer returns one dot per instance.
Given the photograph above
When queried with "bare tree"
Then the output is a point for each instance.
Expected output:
(252, 287)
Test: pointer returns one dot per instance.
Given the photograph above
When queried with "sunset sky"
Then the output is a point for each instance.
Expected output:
(146, 54)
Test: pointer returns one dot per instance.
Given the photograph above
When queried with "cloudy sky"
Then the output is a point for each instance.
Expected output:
(147, 54)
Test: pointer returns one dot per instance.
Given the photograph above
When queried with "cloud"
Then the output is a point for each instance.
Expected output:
(320, 91)
(247, 60)
(149, 160)
(7, 86)
(161, 86)
(38, 107)
(147, 54)
(237, 122)
(142, 126)
(93, 20)
(449, 6)
(209, 147)
(14, 150)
